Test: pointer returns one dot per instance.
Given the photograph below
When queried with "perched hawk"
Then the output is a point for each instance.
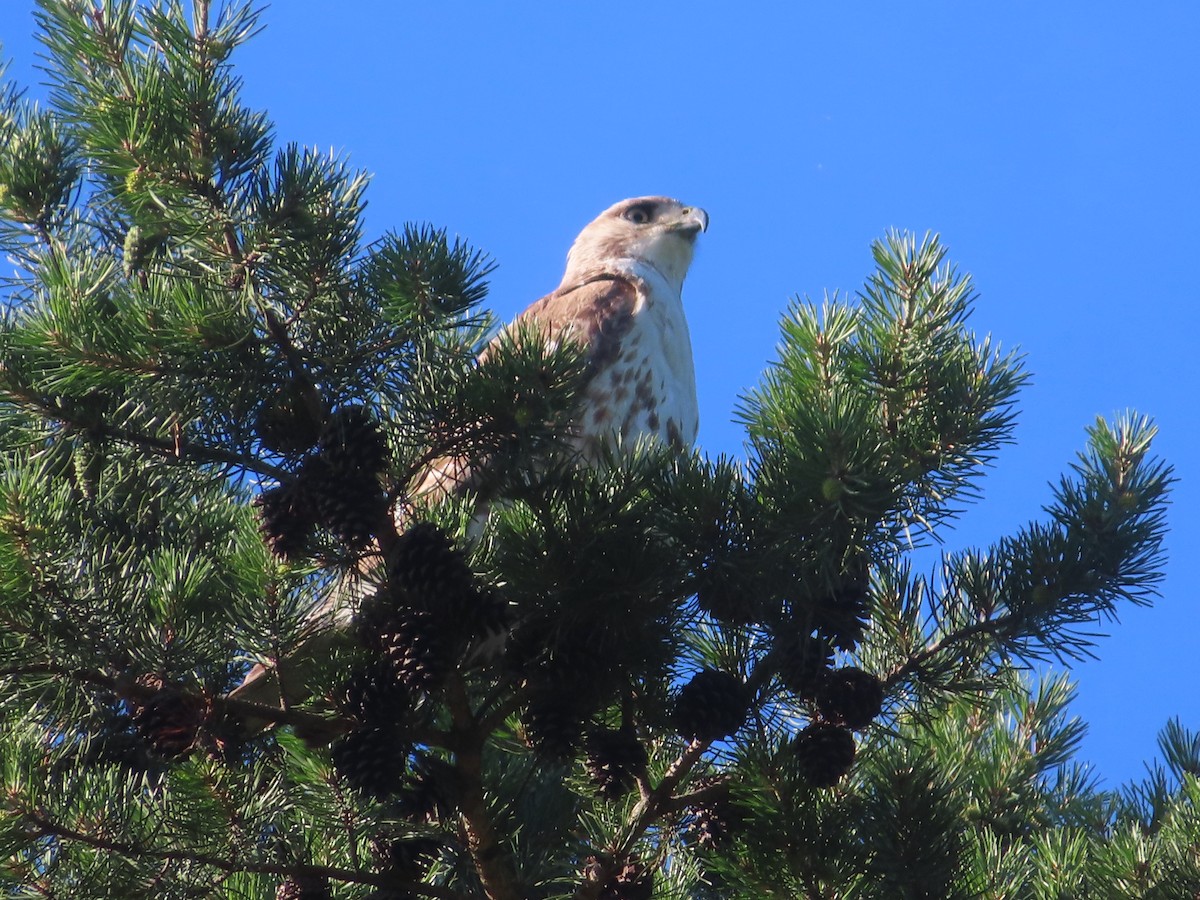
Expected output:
(621, 299)
(621, 296)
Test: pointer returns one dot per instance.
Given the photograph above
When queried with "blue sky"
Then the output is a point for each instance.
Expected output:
(1054, 146)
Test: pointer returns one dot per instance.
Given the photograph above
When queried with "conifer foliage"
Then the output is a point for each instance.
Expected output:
(663, 676)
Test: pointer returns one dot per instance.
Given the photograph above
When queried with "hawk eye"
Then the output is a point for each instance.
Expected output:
(638, 215)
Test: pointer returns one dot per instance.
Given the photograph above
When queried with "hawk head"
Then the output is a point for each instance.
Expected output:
(652, 231)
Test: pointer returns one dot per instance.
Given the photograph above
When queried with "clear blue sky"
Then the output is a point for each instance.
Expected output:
(1053, 145)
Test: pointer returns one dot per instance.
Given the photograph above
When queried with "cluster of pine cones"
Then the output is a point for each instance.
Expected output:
(415, 630)
(713, 704)
(336, 487)
(431, 612)
(843, 700)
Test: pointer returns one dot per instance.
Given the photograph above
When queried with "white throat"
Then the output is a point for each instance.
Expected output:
(659, 282)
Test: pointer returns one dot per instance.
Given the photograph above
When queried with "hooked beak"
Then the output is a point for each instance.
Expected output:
(692, 220)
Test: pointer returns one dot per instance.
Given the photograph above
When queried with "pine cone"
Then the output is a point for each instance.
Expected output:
(287, 422)
(614, 760)
(417, 650)
(582, 661)
(288, 519)
(373, 618)
(304, 887)
(728, 600)
(432, 574)
(352, 442)
(712, 823)
(631, 880)
(406, 858)
(711, 706)
(430, 792)
(851, 697)
(553, 724)
(351, 504)
(170, 722)
(375, 696)
(842, 617)
(372, 760)
(804, 662)
(824, 752)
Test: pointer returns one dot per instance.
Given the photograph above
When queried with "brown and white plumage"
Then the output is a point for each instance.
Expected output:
(623, 291)
(621, 299)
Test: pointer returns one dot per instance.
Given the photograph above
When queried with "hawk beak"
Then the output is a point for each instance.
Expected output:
(693, 220)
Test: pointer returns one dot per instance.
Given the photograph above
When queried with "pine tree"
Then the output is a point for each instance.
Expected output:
(721, 678)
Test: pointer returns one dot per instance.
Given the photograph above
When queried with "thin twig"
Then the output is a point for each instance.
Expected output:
(174, 447)
(914, 662)
(648, 809)
(49, 828)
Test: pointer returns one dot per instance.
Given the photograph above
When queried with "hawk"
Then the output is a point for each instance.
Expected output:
(621, 299)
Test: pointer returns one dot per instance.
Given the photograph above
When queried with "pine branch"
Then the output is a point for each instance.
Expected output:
(698, 797)
(493, 861)
(944, 644)
(179, 448)
(46, 827)
(655, 803)
(649, 809)
(175, 448)
(223, 706)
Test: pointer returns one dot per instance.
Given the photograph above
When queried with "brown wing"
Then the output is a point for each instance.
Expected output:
(597, 314)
